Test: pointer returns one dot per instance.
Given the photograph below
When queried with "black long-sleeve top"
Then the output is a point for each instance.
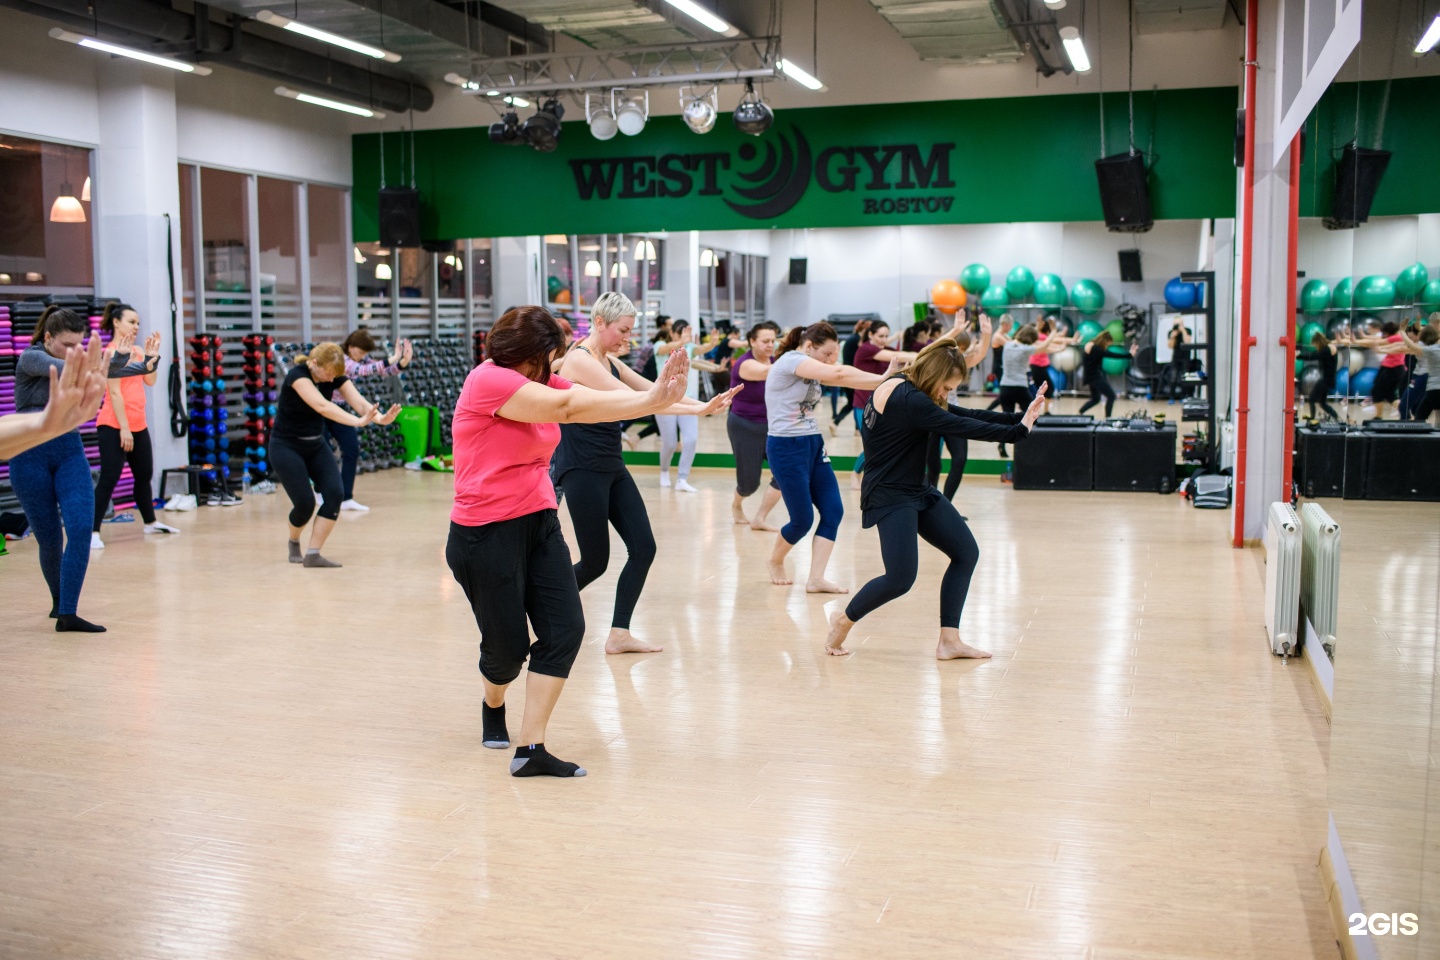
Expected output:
(898, 441)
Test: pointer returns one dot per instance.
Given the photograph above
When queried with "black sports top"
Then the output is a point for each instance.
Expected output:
(590, 446)
(1093, 361)
(1328, 365)
(295, 419)
(898, 441)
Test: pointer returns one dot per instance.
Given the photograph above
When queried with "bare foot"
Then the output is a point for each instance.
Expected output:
(777, 573)
(738, 512)
(623, 641)
(959, 650)
(839, 629)
(824, 586)
(763, 525)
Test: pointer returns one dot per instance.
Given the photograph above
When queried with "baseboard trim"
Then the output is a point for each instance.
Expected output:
(1342, 898)
(1322, 671)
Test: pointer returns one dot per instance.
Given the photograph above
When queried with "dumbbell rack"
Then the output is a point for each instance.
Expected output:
(260, 404)
(381, 446)
(209, 449)
(8, 354)
(435, 379)
(478, 354)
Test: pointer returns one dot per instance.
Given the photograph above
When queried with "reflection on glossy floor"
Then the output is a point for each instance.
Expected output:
(261, 760)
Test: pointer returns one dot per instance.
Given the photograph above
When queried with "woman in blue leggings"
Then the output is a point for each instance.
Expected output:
(52, 481)
(798, 462)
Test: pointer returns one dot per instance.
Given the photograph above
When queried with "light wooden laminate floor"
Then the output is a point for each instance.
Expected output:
(262, 760)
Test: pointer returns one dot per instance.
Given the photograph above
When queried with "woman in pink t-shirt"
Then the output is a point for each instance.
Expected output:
(505, 547)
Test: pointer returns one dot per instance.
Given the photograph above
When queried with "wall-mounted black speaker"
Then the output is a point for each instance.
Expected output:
(1357, 177)
(1125, 192)
(399, 217)
(797, 269)
(439, 246)
(1130, 267)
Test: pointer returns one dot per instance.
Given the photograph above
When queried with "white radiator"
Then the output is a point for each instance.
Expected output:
(1282, 579)
(1320, 572)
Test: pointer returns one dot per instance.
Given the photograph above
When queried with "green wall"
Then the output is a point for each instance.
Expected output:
(963, 161)
(1412, 132)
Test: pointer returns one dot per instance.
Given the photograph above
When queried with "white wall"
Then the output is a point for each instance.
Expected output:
(1384, 246)
(47, 88)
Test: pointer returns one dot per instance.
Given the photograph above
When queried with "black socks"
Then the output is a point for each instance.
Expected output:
(70, 623)
(536, 761)
(492, 723)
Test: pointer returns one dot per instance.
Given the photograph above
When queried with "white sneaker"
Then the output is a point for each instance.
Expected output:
(158, 527)
(96, 543)
(665, 479)
(683, 486)
(352, 504)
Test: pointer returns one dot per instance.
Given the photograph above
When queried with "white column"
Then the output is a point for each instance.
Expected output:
(136, 186)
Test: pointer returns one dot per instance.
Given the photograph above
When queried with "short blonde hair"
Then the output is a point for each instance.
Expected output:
(612, 306)
(326, 356)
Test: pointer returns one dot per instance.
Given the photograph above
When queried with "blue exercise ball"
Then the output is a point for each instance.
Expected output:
(1342, 382)
(1058, 379)
(1362, 382)
(1181, 294)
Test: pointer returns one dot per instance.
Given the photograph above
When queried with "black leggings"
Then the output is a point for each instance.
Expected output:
(113, 460)
(959, 449)
(1100, 387)
(1014, 398)
(941, 527)
(1429, 405)
(348, 439)
(1319, 396)
(598, 501)
(513, 571)
(297, 463)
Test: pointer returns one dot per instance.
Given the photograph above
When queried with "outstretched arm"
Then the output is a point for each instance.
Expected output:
(534, 403)
(839, 375)
(321, 405)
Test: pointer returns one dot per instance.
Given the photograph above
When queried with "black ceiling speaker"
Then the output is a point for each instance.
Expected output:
(1125, 193)
(1130, 267)
(798, 267)
(1357, 177)
(399, 217)
(506, 131)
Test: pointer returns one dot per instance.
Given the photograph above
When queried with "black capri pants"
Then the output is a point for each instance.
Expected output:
(939, 525)
(515, 571)
(297, 463)
(747, 442)
(113, 459)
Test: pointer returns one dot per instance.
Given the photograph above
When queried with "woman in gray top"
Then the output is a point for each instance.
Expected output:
(1015, 368)
(1427, 364)
(798, 462)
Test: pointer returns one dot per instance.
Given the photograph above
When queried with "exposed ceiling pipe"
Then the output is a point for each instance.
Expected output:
(158, 28)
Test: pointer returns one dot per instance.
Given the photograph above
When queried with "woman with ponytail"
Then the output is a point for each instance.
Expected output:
(52, 480)
(122, 431)
(798, 462)
(299, 453)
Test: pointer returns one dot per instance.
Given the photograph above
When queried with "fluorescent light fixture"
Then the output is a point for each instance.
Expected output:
(804, 79)
(592, 268)
(325, 36)
(464, 83)
(85, 191)
(383, 272)
(332, 104)
(512, 100)
(118, 51)
(693, 9)
(1075, 49)
(1432, 37)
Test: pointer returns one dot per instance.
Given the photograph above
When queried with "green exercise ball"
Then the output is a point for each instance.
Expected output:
(1115, 365)
(1088, 330)
(1375, 291)
(994, 301)
(554, 285)
(1430, 297)
(1049, 290)
(1088, 296)
(1299, 366)
(1412, 281)
(1315, 297)
(1343, 296)
(1307, 333)
(1019, 284)
(1116, 329)
(975, 278)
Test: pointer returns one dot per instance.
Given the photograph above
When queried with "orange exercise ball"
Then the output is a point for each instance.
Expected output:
(948, 295)
(562, 297)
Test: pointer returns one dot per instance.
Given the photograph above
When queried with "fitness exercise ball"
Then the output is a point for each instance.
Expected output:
(1412, 281)
(1362, 382)
(1368, 325)
(1430, 297)
(1058, 379)
(1058, 323)
(1336, 327)
(1049, 290)
(1088, 330)
(1315, 296)
(975, 278)
(1067, 360)
(947, 295)
(1356, 361)
(563, 297)
(553, 286)
(1087, 296)
(1375, 291)
(1299, 366)
(1116, 365)
(1116, 329)
(1306, 334)
(1020, 284)
(1342, 382)
(1180, 294)
(1343, 296)
(1309, 376)
(994, 301)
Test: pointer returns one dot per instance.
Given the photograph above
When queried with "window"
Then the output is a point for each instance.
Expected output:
(329, 255)
(46, 221)
(279, 260)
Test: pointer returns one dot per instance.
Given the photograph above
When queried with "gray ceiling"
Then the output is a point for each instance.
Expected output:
(960, 31)
(610, 23)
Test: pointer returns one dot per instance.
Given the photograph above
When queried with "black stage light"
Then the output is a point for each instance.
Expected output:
(542, 131)
(507, 130)
(752, 115)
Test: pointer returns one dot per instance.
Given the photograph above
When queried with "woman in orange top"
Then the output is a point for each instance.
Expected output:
(122, 431)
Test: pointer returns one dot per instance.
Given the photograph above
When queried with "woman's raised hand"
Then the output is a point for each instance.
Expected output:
(76, 390)
(389, 415)
(669, 386)
(121, 343)
(152, 344)
(1037, 407)
(719, 402)
(367, 416)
